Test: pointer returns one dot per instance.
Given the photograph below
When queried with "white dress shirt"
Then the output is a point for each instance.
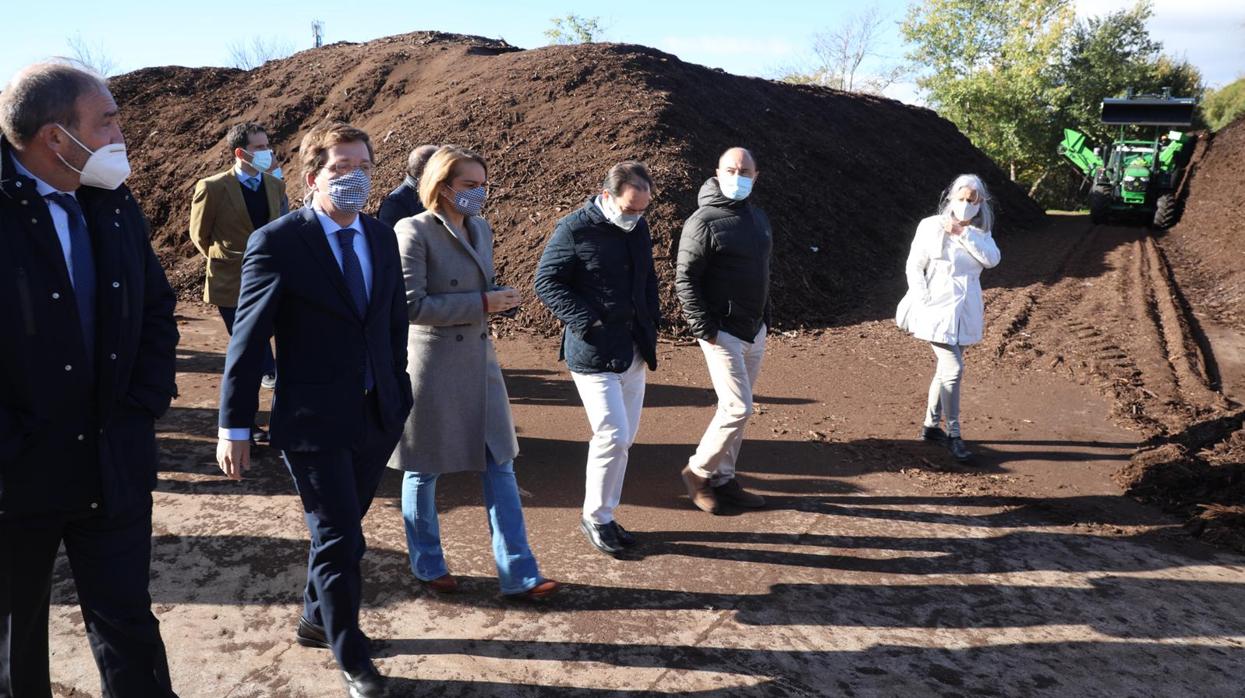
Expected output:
(361, 250)
(60, 217)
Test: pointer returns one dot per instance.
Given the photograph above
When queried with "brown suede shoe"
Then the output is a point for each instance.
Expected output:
(731, 493)
(445, 584)
(699, 491)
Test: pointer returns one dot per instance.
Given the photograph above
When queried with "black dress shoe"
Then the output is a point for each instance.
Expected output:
(602, 536)
(311, 635)
(623, 535)
(367, 683)
(933, 434)
(259, 437)
(959, 450)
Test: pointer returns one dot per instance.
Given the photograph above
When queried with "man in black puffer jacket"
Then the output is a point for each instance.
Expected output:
(723, 285)
(597, 276)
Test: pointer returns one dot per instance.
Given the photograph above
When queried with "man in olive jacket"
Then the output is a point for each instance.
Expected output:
(723, 285)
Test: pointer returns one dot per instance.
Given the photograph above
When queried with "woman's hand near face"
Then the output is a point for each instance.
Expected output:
(952, 226)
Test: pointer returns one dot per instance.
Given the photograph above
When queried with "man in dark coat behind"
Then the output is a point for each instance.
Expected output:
(87, 357)
(404, 202)
(722, 281)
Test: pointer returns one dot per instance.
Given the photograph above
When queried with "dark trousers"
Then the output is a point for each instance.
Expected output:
(337, 487)
(111, 561)
(269, 366)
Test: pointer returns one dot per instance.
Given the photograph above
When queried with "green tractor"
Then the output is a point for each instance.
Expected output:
(1136, 178)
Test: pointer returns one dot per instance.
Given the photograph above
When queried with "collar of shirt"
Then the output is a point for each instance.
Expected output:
(42, 187)
(242, 176)
(596, 201)
(330, 226)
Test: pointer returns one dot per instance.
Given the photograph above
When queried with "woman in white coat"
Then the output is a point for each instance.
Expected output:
(461, 420)
(943, 305)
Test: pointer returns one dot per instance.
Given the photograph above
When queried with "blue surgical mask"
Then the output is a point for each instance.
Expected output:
(350, 191)
(277, 173)
(261, 159)
(470, 202)
(615, 215)
(735, 187)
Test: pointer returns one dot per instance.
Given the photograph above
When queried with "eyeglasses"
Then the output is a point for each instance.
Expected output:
(343, 168)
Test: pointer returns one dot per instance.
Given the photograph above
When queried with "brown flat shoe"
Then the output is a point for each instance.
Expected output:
(445, 584)
(699, 491)
(540, 592)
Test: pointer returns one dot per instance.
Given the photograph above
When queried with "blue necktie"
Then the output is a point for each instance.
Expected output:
(252, 183)
(83, 260)
(353, 271)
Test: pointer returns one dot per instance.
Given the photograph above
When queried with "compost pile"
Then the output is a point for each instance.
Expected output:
(844, 177)
(1199, 472)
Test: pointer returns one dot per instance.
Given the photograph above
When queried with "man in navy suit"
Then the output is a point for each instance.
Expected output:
(87, 356)
(326, 281)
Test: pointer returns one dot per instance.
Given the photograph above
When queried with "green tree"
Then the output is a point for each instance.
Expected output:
(1223, 106)
(1012, 75)
(992, 68)
(573, 29)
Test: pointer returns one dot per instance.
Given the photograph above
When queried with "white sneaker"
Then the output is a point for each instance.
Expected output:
(268, 382)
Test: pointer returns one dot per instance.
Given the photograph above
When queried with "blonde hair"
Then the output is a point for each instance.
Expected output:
(441, 170)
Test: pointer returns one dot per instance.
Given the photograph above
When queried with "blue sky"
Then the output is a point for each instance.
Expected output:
(747, 38)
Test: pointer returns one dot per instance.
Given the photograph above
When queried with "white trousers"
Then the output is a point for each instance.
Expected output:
(944, 390)
(733, 367)
(612, 402)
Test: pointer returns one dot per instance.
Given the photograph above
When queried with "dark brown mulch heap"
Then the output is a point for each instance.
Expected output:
(844, 177)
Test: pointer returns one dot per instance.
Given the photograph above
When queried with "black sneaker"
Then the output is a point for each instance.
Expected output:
(624, 536)
(958, 449)
(601, 536)
(933, 434)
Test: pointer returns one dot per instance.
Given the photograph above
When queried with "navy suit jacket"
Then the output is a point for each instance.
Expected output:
(77, 432)
(293, 290)
(402, 202)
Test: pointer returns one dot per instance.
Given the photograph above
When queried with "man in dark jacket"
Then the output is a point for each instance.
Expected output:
(404, 202)
(326, 281)
(597, 276)
(87, 357)
(723, 284)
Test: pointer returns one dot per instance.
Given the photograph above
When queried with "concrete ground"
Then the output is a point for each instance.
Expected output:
(880, 567)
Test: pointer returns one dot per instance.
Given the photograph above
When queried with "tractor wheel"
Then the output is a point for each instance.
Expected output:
(1166, 211)
(1099, 205)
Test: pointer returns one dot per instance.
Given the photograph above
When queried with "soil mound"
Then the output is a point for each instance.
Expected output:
(844, 178)
(1207, 246)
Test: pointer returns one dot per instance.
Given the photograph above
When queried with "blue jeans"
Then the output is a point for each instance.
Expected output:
(516, 565)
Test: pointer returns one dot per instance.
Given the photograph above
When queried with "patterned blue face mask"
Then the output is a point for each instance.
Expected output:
(470, 202)
(349, 192)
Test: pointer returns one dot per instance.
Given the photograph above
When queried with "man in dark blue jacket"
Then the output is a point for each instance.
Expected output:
(86, 365)
(404, 202)
(596, 275)
(326, 280)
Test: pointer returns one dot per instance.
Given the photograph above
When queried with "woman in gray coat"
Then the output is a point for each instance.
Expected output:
(461, 419)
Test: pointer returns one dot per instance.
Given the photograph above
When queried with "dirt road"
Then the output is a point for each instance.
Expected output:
(880, 569)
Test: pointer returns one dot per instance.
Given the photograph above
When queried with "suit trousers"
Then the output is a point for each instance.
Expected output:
(110, 558)
(336, 487)
(734, 366)
(612, 402)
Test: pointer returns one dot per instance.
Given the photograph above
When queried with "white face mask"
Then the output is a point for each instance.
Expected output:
(626, 221)
(735, 187)
(964, 210)
(107, 168)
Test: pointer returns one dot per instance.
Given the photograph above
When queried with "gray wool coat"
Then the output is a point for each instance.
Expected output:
(461, 404)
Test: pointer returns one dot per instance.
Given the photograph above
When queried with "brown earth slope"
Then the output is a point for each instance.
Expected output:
(844, 177)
